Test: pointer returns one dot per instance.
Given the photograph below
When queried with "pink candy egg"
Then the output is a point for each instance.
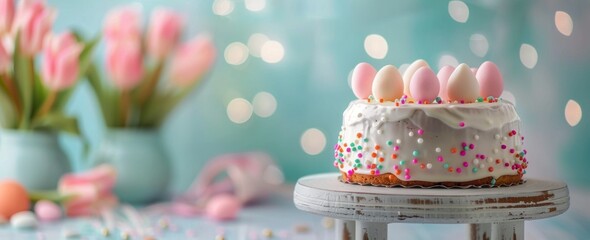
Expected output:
(490, 80)
(424, 85)
(362, 79)
(443, 77)
(47, 211)
(223, 207)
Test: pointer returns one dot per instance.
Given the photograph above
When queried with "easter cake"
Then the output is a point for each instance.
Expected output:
(449, 129)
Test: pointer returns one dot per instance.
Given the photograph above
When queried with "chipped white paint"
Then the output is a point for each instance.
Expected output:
(493, 211)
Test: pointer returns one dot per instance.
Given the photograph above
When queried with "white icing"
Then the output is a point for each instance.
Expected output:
(441, 133)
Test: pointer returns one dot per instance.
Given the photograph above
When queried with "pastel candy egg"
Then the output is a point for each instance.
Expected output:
(410, 72)
(424, 85)
(223, 207)
(388, 84)
(13, 198)
(362, 79)
(47, 210)
(462, 85)
(443, 77)
(25, 219)
(490, 80)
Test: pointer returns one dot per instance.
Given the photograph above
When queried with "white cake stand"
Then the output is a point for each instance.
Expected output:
(363, 212)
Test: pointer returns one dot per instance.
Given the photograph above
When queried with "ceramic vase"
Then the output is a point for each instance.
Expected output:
(33, 158)
(143, 171)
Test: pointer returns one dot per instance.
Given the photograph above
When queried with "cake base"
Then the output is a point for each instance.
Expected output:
(390, 180)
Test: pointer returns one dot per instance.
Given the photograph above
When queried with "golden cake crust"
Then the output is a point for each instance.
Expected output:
(389, 179)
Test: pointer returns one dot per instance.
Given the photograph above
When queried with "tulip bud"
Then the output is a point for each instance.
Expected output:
(123, 24)
(125, 64)
(191, 60)
(6, 15)
(33, 22)
(163, 33)
(60, 67)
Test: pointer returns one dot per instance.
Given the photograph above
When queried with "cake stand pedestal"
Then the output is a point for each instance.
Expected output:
(363, 212)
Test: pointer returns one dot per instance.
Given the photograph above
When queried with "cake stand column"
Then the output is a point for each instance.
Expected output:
(508, 230)
(371, 230)
(480, 231)
(345, 229)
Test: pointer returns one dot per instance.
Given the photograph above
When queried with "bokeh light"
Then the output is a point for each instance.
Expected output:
(223, 7)
(313, 141)
(255, 43)
(255, 5)
(573, 113)
(264, 104)
(236, 53)
(376, 46)
(447, 60)
(459, 11)
(479, 45)
(272, 52)
(564, 23)
(239, 110)
(528, 56)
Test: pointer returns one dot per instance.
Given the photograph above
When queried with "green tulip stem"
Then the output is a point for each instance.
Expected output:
(147, 90)
(47, 105)
(13, 93)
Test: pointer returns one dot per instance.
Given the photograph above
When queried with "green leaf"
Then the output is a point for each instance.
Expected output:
(85, 59)
(23, 73)
(40, 93)
(107, 98)
(159, 106)
(53, 196)
(58, 122)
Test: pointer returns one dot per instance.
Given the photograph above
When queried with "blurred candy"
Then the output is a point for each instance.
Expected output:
(410, 72)
(13, 198)
(184, 209)
(223, 207)
(47, 210)
(424, 85)
(24, 219)
(164, 32)
(490, 80)
(462, 85)
(362, 80)
(60, 61)
(92, 190)
(443, 77)
(388, 84)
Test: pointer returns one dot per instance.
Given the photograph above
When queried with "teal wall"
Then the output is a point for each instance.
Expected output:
(323, 41)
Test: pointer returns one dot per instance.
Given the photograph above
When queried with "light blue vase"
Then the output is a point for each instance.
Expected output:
(34, 159)
(143, 171)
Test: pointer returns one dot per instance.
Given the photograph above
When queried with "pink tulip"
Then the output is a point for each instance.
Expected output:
(123, 24)
(60, 61)
(163, 33)
(33, 22)
(125, 64)
(4, 59)
(191, 61)
(92, 190)
(6, 16)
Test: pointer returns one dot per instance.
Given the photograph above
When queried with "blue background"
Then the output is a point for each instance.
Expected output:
(323, 41)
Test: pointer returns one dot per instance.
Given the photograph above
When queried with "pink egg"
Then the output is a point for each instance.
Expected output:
(223, 207)
(443, 77)
(47, 210)
(490, 80)
(362, 80)
(424, 85)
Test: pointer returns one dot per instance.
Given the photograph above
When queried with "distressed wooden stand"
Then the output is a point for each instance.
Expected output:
(363, 212)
